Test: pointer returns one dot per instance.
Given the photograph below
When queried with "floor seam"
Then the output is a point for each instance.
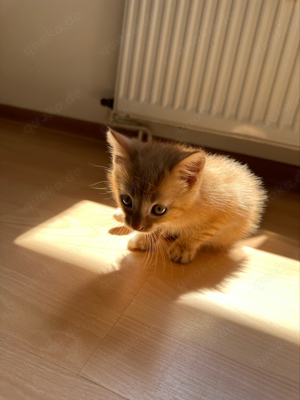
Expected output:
(60, 366)
(101, 340)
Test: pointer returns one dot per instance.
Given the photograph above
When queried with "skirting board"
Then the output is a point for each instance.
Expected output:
(273, 172)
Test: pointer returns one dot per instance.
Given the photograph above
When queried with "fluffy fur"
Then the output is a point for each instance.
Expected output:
(211, 200)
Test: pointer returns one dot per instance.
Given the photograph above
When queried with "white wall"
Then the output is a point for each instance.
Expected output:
(60, 55)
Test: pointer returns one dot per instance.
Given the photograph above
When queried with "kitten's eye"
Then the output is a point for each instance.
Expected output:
(126, 200)
(158, 210)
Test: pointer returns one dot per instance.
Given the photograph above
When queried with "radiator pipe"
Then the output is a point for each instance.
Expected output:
(107, 103)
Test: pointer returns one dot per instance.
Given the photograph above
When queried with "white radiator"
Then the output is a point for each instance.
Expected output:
(228, 66)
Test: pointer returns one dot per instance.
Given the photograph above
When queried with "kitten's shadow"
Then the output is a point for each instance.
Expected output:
(129, 281)
(210, 269)
(117, 288)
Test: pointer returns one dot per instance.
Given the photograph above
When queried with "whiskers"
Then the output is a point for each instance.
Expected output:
(154, 260)
(163, 248)
(100, 166)
(156, 253)
(97, 183)
(105, 190)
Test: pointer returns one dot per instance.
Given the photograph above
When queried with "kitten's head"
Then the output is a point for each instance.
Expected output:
(153, 183)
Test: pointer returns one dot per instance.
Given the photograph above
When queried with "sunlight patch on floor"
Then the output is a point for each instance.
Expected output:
(248, 286)
(79, 234)
(263, 294)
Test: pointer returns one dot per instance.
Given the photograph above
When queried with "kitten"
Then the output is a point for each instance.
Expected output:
(182, 192)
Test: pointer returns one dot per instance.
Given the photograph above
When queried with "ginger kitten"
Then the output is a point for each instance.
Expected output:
(181, 192)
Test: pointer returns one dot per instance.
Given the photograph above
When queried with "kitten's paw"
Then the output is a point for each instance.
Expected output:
(181, 255)
(118, 215)
(139, 241)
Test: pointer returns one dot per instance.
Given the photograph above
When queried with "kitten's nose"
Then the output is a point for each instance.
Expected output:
(137, 227)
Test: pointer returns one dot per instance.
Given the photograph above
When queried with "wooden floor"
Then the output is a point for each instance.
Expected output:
(81, 317)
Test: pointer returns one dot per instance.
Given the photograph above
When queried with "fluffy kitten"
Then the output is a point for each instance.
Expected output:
(181, 192)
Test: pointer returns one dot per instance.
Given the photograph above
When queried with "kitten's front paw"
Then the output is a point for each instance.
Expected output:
(118, 215)
(181, 255)
(139, 241)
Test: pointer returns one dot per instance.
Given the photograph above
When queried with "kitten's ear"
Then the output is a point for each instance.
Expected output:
(190, 167)
(120, 146)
